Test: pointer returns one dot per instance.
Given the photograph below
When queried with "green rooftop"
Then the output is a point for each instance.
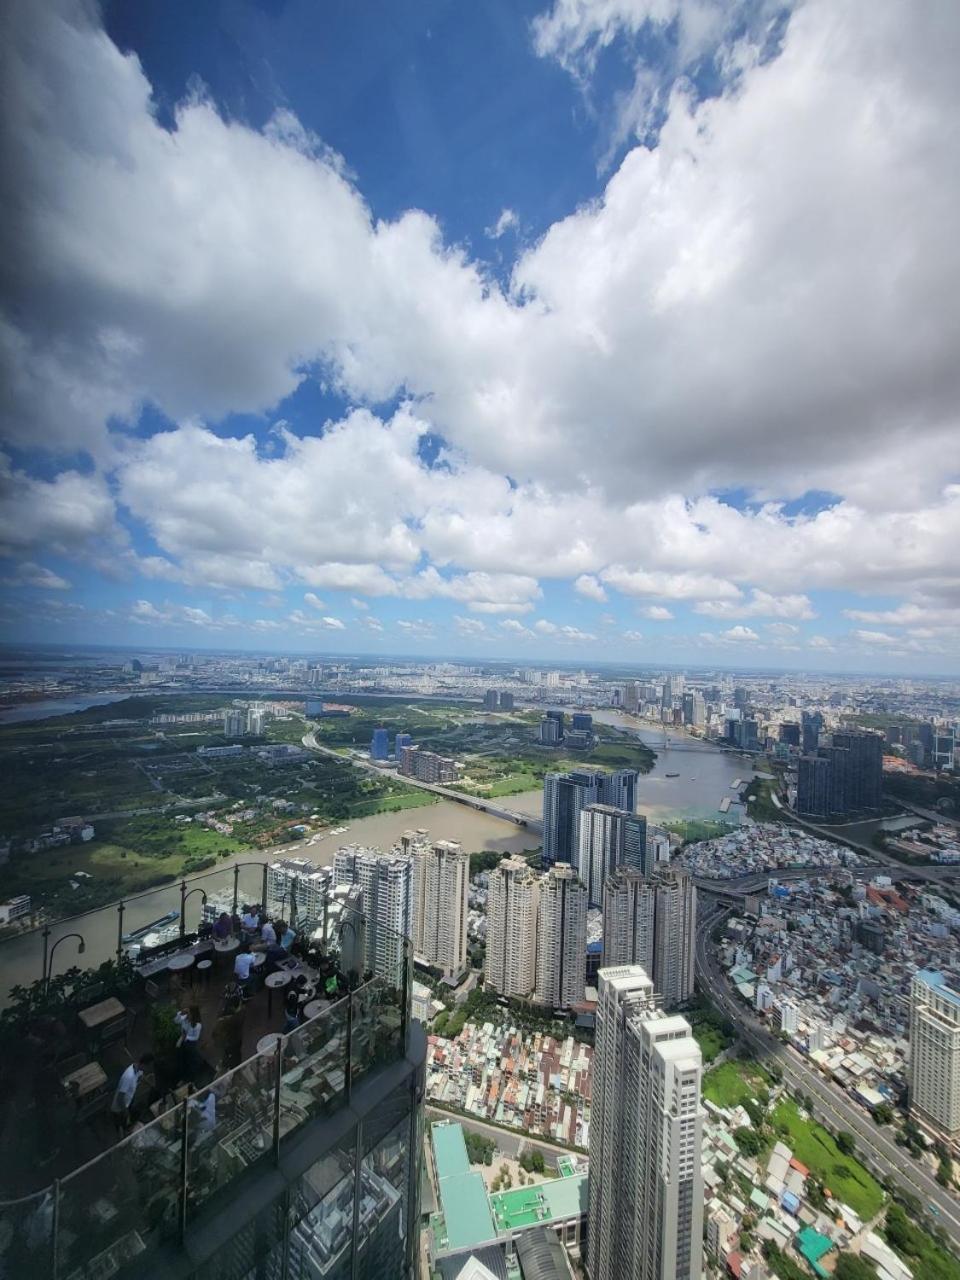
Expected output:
(812, 1246)
(545, 1202)
(466, 1219)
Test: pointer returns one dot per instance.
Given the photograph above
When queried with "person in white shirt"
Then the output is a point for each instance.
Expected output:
(268, 933)
(126, 1090)
(205, 1110)
(250, 920)
(243, 963)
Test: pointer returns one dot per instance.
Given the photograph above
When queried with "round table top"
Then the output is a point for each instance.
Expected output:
(227, 944)
(259, 958)
(204, 964)
(278, 979)
(313, 1008)
(267, 1043)
(180, 962)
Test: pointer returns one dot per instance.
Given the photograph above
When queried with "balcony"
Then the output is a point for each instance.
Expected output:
(79, 1200)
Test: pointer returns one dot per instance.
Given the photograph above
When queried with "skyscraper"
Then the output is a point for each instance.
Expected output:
(387, 882)
(565, 795)
(651, 921)
(646, 1189)
(441, 883)
(234, 723)
(934, 1076)
(674, 935)
(379, 744)
(561, 938)
(491, 700)
(506, 701)
(629, 914)
(609, 838)
(811, 726)
(513, 896)
(851, 780)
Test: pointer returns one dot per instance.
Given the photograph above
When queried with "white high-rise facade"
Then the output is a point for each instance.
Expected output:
(441, 885)
(646, 1189)
(629, 906)
(651, 921)
(675, 935)
(934, 1081)
(387, 882)
(513, 896)
(561, 938)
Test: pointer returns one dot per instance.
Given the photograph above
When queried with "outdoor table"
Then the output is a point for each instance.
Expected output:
(259, 958)
(227, 947)
(268, 1043)
(179, 964)
(313, 1008)
(272, 982)
(98, 1015)
(89, 1078)
(204, 967)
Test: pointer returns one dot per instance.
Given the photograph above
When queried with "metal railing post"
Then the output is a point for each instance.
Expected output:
(184, 1164)
(405, 988)
(348, 1073)
(236, 887)
(263, 890)
(183, 907)
(119, 931)
(278, 1075)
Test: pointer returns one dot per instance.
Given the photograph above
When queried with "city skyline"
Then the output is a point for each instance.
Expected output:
(423, 369)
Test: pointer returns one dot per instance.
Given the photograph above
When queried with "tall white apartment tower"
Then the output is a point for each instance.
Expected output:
(561, 938)
(387, 881)
(675, 935)
(934, 1082)
(646, 1190)
(441, 885)
(513, 897)
(629, 912)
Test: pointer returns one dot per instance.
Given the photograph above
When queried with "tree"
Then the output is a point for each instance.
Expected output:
(749, 1142)
(850, 1266)
(883, 1114)
(846, 1143)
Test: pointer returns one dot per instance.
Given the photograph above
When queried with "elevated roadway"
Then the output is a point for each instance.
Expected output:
(831, 1105)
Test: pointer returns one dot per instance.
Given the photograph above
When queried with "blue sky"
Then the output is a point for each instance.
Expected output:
(611, 330)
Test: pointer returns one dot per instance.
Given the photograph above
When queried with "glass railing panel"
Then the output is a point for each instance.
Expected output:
(377, 1027)
(314, 1068)
(230, 1128)
(122, 1204)
(26, 1235)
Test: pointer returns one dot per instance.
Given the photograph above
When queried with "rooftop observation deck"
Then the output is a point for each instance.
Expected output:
(82, 1195)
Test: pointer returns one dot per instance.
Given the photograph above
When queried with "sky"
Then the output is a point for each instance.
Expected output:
(612, 330)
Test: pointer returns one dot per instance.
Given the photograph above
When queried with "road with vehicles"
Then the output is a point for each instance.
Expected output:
(534, 825)
(875, 1146)
(756, 882)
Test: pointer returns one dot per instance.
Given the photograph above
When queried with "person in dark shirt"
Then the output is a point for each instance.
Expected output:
(228, 1035)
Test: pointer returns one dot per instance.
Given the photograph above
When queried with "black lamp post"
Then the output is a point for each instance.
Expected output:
(48, 960)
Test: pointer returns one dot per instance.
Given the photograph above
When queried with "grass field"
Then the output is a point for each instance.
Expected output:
(734, 1082)
(845, 1176)
(711, 1040)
